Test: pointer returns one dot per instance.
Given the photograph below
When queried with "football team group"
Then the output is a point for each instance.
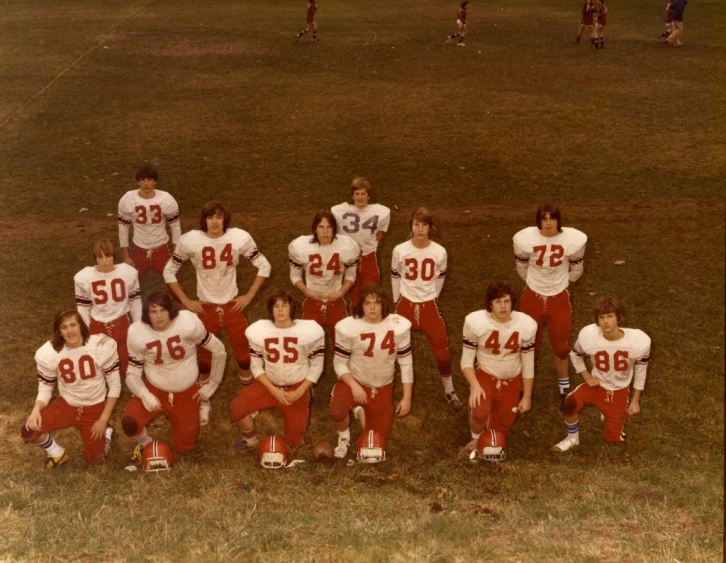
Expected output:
(167, 349)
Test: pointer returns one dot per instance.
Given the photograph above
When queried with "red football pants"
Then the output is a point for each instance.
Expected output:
(613, 404)
(427, 318)
(118, 330)
(555, 312)
(502, 399)
(368, 272)
(378, 407)
(327, 314)
(220, 317)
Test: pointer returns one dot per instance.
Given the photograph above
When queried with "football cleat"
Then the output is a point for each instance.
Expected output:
(341, 450)
(244, 445)
(205, 409)
(471, 446)
(53, 462)
(462, 45)
(568, 443)
(135, 459)
(492, 446)
(453, 401)
(371, 447)
(110, 425)
(157, 456)
(273, 453)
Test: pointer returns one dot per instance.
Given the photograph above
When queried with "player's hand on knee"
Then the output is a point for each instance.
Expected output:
(403, 407)
(34, 421)
(476, 396)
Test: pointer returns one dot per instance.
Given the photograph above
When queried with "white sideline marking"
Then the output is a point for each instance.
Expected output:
(74, 63)
(375, 37)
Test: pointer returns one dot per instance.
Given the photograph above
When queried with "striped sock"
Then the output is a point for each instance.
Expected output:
(51, 447)
(573, 429)
(564, 385)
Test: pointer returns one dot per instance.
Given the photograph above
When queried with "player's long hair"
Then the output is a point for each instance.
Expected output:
(553, 210)
(212, 208)
(58, 341)
(422, 215)
(319, 216)
(366, 291)
(606, 305)
(161, 299)
(281, 295)
(361, 183)
(497, 290)
(104, 247)
(147, 171)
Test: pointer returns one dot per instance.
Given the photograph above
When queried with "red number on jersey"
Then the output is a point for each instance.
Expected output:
(555, 258)
(173, 344)
(141, 217)
(495, 346)
(316, 264)
(388, 343)
(209, 258)
(118, 291)
(513, 343)
(156, 215)
(86, 368)
(427, 269)
(289, 344)
(226, 255)
(620, 361)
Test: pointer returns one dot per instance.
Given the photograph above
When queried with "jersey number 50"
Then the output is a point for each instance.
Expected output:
(118, 291)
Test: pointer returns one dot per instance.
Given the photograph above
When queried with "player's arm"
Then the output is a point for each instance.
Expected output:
(135, 307)
(47, 377)
(124, 223)
(404, 357)
(349, 274)
(526, 351)
(84, 300)
(577, 264)
(395, 277)
(441, 277)
(219, 359)
(133, 376)
(171, 270)
(521, 259)
(468, 356)
(171, 214)
(577, 357)
(110, 367)
(316, 359)
(340, 365)
(641, 367)
(258, 260)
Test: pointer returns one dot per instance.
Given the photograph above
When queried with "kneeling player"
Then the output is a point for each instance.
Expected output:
(84, 366)
(501, 342)
(619, 356)
(164, 347)
(366, 348)
(287, 359)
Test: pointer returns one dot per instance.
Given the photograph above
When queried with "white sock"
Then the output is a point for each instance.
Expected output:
(52, 448)
(344, 434)
(143, 438)
(475, 436)
(448, 385)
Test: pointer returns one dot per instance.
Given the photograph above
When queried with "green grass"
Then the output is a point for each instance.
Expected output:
(630, 141)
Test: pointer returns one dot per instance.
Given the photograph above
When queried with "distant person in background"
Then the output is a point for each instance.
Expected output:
(602, 20)
(310, 21)
(674, 39)
(149, 211)
(668, 22)
(588, 9)
(461, 24)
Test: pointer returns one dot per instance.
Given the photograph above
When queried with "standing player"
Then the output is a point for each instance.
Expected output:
(310, 21)
(149, 211)
(602, 20)
(164, 348)
(549, 257)
(617, 355)
(105, 296)
(501, 342)
(367, 347)
(586, 21)
(365, 223)
(287, 359)
(330, 261)
(418, 268)
(85, 367)
(668, 21)
(461, 24)
(214, 251)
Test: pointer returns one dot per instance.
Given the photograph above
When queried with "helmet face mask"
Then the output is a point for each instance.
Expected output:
(492, 446)
(371, 447)
(273, 453)
(157, 456)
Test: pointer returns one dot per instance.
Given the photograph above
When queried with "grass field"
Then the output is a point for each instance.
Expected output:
(630, 141)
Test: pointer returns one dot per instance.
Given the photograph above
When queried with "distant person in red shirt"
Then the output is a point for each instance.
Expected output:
(310, 21)
(461, 23)
(588, 9)
(602, 20)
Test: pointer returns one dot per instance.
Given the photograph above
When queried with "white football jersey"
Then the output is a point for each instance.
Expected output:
(421, 271)
(105, 297)
(169, 357)
(503, 350)
(614, 362)
(149, 218)
(215, 261)
(287, 355)
(549, 264)
(325, 266)
(83, 374)
(362, 225)
(368, 351)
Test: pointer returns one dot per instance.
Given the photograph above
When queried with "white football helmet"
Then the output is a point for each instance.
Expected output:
(273, 452)
(157, 456)
(371, 447)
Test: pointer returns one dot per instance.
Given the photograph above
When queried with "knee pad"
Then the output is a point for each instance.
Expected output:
(569, 406)
(338, 413)
(130, 426)
(244, 365)
(29, 435)
(561, 350)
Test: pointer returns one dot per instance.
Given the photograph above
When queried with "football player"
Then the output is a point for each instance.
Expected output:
(329, 260)
(287, 359)
(619, 356)
(368, 344)
(149, 211)
(602, 20)
(310, 21)
(586, 20)
(461, 24)
(164, 348)
(549, 257)
(86, 368)
(418, 269)
(365, 223)
(105, 296)
(214, 250)
(500, 341)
